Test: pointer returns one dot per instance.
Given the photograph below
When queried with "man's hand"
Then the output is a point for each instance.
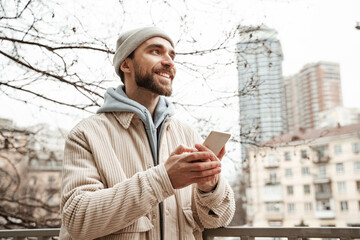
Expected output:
(209, 185)
(186, 166)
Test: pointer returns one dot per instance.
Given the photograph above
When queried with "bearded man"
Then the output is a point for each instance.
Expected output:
(132, 171)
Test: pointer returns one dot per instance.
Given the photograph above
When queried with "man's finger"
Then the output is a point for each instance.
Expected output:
(182, 149)
(199, 157)
(202, 148)
(221, 153)
(203, 166)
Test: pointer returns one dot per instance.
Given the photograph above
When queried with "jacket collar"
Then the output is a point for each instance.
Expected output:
(124, 118)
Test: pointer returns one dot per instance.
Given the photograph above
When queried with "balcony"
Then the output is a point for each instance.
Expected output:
(322, 180)
(325, 214)
(323, 195)
(271, 181)
(292, 233)
(272, 161)
(321, 159)
(270, 165)
(274, 215)
(321, 154)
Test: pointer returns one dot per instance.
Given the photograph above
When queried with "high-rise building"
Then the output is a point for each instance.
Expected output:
(316, 88)
(261, 85)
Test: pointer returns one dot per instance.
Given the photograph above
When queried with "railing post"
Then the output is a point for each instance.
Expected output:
(292, 238)
(247, 238)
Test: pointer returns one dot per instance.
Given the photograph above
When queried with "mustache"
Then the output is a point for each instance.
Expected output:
(165, 69)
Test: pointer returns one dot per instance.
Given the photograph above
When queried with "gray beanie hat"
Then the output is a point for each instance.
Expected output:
(129, 41)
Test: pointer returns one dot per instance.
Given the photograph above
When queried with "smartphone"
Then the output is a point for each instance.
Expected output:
(216, 140)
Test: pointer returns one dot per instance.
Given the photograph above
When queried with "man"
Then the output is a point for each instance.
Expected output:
(134, 172)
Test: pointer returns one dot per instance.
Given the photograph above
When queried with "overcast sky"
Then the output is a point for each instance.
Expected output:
(312, 31)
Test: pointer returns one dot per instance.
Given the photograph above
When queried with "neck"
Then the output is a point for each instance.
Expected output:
(145, 97)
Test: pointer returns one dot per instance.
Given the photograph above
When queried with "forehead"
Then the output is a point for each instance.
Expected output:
(155, 41)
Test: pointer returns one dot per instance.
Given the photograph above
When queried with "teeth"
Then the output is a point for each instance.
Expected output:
(164, 75)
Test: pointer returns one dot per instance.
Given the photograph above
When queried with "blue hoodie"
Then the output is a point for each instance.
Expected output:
(116, 100)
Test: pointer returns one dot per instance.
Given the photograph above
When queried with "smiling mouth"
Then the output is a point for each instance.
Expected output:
(165, 74)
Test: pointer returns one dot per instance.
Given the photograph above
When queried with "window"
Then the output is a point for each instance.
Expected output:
(343, 206)
(290, 190)
(272, 177)
(337, 149)
(287, 156)
(340, 168)
(273, 207)
(323, 205)
(291, 207)
(323, 188)
(356, 147)
(358, 186)
(322, 153)
(305, 171)
(272, 160)
(6, 143)
(275, 223)
(341, 187)
(357, 166)
(308, 207)
(322, 171)
(288, 172)
(51, 181)
(32, 181)
(306, 189)
(304, 154)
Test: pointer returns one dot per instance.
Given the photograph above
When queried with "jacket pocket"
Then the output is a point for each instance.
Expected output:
(143, 224)
(188, 213)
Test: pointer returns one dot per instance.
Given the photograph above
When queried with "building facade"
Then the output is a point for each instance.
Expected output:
(339, 116)
(30, 176)
(316, 88)
(262, 102)
(309, 178)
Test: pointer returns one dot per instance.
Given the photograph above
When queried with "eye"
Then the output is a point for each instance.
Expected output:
(155, 51)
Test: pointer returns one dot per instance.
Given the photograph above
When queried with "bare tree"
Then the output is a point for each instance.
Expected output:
(29, 191)
(49, 47)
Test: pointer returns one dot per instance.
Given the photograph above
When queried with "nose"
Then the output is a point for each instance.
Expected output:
(168, 61)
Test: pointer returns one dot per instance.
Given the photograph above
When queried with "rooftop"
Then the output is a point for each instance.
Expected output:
(309, 134)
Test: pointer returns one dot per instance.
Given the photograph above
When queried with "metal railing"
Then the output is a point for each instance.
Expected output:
(23, 234)
(243, 233)
(291, 233)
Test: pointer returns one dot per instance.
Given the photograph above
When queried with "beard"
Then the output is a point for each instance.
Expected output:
(148, 81)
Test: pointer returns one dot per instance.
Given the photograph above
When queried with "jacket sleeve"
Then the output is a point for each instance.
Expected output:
(90, 210)
(215, 209)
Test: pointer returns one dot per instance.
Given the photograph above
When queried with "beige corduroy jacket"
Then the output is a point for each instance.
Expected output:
(112, 190)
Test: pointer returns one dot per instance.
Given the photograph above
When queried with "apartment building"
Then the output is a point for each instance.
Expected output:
(306, 178)
(30, 176)
(316, 88)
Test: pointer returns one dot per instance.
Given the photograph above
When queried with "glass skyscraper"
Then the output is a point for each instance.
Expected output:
(261, 86)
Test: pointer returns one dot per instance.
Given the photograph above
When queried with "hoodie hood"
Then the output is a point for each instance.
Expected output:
(116, 100)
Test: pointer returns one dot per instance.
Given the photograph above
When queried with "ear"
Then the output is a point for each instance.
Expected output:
(125, 65)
